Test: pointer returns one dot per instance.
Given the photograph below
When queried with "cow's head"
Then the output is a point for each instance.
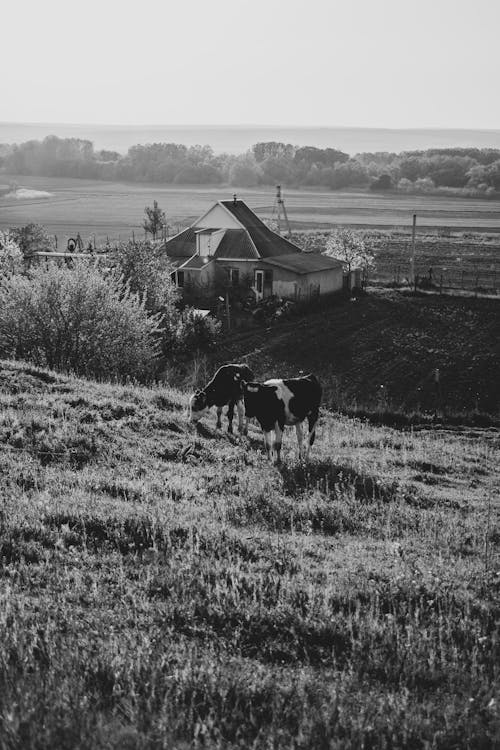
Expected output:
(198, 406)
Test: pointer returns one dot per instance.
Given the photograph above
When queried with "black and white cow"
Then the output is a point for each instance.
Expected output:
(224, 389)
(277, 403)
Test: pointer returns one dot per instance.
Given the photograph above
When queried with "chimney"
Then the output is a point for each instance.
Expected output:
(234, 199)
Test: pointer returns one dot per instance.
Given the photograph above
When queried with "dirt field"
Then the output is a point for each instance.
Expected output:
(114, 210)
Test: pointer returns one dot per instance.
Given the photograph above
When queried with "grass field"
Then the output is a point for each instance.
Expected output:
(164, 587)
(113, 210)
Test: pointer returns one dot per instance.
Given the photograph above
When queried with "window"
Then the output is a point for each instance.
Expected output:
(180, 278)
(233, 276)
(268, 277)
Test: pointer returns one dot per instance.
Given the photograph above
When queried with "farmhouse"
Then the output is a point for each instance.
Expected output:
(231, 243)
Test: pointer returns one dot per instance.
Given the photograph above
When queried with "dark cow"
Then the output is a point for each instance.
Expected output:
(277, 403)
(224, 389)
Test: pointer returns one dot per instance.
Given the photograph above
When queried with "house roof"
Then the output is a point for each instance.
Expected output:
(254, 241)
(183, 245)
(196, 263)
(236, 244)
(303, 263)
(176, 262)
(268, 243)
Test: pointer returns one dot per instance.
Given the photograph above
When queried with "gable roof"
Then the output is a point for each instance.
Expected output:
(254, 241)
(268, 243)
(236, 244)
(303, 263)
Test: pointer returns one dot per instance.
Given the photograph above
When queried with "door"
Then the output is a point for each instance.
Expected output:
(259, 285)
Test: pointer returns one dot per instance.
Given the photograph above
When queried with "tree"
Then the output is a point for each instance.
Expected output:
(31, 238)
(273, 149)
(349, 247)
(155, 219)
(147, 271)
(11, 256)
(244, 172)
(383, 182)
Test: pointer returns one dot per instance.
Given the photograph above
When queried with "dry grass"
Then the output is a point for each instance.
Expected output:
(163, 586)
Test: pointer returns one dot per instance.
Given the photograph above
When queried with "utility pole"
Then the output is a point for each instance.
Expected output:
(412, 260)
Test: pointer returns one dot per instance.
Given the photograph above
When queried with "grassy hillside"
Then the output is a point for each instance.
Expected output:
(162, 586)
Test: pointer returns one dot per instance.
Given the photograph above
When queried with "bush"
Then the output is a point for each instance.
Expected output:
(11, 256)
(77, 319)
(195, 333)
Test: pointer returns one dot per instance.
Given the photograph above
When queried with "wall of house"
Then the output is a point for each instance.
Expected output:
(289, 284)
(207, 244)
(329, 281)
(294, 286)
(246, 268)
(285, 283)
(218, 218)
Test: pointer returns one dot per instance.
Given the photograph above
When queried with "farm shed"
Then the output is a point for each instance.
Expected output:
(229, 240)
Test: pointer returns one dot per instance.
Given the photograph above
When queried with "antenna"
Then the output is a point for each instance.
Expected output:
(278, 208)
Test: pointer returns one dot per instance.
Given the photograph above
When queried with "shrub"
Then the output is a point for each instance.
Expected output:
(196, 333)
(10, 255)
(77, 319)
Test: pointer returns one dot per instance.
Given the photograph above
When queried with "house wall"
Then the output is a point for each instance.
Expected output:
(207, 244)
(287, 283)
(329, 281)
(202, 278)
(217, 218)
(291, 285)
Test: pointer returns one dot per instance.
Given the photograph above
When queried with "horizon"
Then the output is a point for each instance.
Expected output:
(237, 139)
(254, 125)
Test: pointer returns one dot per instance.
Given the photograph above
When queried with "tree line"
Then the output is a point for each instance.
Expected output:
(466, 171)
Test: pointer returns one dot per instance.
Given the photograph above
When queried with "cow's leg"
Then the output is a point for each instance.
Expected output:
(219, 415)
(242, 421)
(230, 416)
(278, 436)
(268, 443)
(298, 430)
(312, 419)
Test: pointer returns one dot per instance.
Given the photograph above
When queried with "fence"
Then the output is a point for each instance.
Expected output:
(471, 278)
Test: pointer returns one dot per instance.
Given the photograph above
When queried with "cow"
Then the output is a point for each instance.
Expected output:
(224, 389)
(277, 403)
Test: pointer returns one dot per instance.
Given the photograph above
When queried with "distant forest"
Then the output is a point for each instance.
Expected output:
(462, 171)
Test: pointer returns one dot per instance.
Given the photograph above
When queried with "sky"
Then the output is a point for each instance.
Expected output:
(363, 63)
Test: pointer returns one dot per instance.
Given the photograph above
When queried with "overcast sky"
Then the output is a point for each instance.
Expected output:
(368, 63)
